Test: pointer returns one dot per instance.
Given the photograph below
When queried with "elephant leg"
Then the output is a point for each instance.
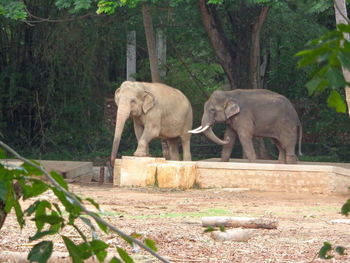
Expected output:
(165, 149)
(247, 145)
(174, 149)
(291, 158)
(288, 144)
(138, 133)
(281, 152)
(227, 148)
(186, 148)
(148, 134)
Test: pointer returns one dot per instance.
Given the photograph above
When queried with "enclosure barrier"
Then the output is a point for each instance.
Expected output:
(320, 178)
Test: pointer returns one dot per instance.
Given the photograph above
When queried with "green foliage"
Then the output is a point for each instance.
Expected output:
(327, 249)
(327, 55)
(49, 219)
(13, 9)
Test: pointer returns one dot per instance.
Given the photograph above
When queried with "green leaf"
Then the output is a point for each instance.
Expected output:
(101, 255)
(345, 210)
(32, 208)
(41, 252)
(340, 250)
(151, 244)
(50, 219)
(2, 153)
(40, 211)
(93, 202)
(103, 227)
(59, 179)
(115, 260)
(209, 229)
(36, 188)
(344, 59)
(336, 101)
(31, 170)
(19, 213)
(222, 228)
(98, 245)
(124, 255)
(316, 85)
(39, 235)
(3, 191)
(344, 28)
(73, 250)
(335, 77)
(323, 253)
(312, 56)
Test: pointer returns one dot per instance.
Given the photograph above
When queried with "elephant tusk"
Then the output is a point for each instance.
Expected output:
(199, 129)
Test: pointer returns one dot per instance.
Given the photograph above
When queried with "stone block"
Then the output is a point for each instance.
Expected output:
(116, 172)
(72, 171)
(138, 171)
(176, 175)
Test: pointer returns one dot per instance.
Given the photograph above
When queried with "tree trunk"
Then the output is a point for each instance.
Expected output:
(254, 73)
(341, 18)
(217, 38)
(161, 51)
(254, 68)
(151, 45)
(131, 55)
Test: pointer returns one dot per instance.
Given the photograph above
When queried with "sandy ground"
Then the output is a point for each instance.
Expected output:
(173, 219)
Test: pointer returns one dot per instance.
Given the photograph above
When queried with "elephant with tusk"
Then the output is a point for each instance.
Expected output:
(158, 111)
(252, 113)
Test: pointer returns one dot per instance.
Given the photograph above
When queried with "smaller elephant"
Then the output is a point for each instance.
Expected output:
(252, 113)
(158, 111)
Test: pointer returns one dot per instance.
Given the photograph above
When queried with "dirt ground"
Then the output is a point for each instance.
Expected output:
(173, 219)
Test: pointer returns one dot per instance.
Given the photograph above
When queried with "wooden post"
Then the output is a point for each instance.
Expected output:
(161, 51)
(102, 175)
(131, 55)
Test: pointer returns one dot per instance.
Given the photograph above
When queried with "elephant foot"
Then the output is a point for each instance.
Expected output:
(291, 159)
(140, 154)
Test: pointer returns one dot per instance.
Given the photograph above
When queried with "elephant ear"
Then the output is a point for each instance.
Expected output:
(117, 96)
(148, 102)
(231, 109)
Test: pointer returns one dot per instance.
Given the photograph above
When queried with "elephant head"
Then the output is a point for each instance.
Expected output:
(219, 108)
(132, 100)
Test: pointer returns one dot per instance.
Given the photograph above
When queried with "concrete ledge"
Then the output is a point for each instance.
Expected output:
(322, 178)
(176, 175)
(310, 178)
(71, 170)
(136, 171)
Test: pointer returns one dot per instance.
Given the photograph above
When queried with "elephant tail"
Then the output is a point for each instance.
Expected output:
(300, 137)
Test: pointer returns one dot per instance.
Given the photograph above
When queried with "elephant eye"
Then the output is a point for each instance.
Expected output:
(133, 101)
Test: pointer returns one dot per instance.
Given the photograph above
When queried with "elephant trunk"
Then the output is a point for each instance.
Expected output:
(211, 135)
(122, 115)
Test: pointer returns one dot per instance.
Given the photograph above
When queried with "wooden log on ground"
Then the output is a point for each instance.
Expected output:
(244, 222)
(240, 235)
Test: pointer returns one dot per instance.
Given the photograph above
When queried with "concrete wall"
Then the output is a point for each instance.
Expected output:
(147, 171)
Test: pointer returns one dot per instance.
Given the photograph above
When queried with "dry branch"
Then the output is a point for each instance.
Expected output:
(244, 222)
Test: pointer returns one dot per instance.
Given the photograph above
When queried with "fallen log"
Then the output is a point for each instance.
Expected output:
(244, 222)
(239, 235)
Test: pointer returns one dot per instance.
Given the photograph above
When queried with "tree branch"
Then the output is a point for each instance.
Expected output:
(77, 202)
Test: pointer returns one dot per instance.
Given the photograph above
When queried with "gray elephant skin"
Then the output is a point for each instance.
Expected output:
(158, 111)
(252, 113)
